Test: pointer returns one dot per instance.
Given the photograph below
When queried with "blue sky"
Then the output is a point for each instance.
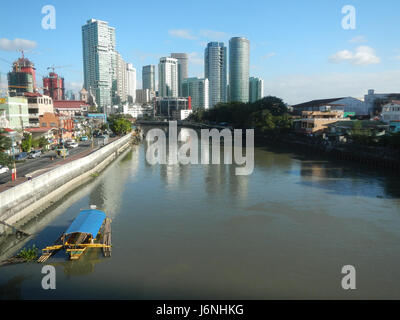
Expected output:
(299, 48)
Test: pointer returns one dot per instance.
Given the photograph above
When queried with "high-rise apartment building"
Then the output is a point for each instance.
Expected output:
(99, 60)
(239, 64)
(256, 89)
(168, 77)
(119, 86)
(130, 83)
(149, 77)
(215, 70)
(198, 90)
(183, 63)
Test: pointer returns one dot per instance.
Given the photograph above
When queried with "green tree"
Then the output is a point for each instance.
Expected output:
(26, 143)
(5, 143)
(5, 160)
(119, 124)
(267, 114)
(35, 143)
(43, 143)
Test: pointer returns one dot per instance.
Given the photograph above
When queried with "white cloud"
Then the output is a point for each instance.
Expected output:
(269, 55)
(362, 56)
(297, 88)
(16, 44)
(182, 33)
(212, 34)
(358, 39)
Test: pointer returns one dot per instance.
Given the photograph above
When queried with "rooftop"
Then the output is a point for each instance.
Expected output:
(67, 104)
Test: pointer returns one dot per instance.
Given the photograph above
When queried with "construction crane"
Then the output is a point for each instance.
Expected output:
(53, 67)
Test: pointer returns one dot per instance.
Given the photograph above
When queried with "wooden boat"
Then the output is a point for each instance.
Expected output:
(90, 229)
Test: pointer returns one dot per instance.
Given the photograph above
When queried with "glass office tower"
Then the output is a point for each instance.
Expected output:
(215, 70)
(239, 64)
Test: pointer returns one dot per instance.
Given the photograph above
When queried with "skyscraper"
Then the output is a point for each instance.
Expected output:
(256, 89)
(168, 77)
(198, 90)
(119, 87)
(149, 77)
(130, 83)
(215, 70)
(183, 59)
(239, 60)
(99, 60)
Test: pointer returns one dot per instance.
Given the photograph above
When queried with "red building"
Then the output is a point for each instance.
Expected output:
(53, 86)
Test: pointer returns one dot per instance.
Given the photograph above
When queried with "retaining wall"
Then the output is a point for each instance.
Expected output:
(35, 195)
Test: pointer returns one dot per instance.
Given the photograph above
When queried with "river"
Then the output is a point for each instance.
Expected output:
(202, 232)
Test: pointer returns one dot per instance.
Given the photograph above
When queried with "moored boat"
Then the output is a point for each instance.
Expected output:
(90, 229)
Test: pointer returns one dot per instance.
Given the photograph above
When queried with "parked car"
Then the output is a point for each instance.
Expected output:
(72, 145)
(35, 154)
(21, 156)
(4, 169)
(84, 138)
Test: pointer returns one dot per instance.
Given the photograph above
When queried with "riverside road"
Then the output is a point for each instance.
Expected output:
(30, 166)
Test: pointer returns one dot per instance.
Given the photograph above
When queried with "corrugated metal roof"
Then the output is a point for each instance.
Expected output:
(88, 221)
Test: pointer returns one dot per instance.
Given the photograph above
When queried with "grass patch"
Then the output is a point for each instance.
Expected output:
(95, 175)
(29, 254)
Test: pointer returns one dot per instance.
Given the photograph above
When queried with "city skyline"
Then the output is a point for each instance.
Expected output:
(333, 62)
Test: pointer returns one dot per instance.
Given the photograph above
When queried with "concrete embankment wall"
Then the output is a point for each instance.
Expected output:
(33, 196)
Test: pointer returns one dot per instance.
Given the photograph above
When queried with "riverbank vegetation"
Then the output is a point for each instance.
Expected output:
(119, 124)
(5, 144)
(268, 115)
(28, 254)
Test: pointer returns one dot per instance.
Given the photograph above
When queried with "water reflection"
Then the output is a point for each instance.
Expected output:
(11, 290)
(85, 265)
(201, 231)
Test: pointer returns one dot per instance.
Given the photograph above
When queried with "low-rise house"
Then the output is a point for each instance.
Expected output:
(391, 111)
(394, 126)
(16, 138)
(314, 122)
(71, 108)
(137, 110)
(37, 133)
(345, 104)
(343, 130)
(14, 112)
(38, 105)
(372, 99)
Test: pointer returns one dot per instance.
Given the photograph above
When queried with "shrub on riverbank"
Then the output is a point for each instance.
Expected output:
(29, 254)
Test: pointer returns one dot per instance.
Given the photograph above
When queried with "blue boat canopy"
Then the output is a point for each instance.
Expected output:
(88, 221)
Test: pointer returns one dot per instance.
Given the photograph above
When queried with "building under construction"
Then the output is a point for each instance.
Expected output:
(53, 86)
(22, 78)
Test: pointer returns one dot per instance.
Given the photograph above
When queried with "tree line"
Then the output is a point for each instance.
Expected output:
(267, 115)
